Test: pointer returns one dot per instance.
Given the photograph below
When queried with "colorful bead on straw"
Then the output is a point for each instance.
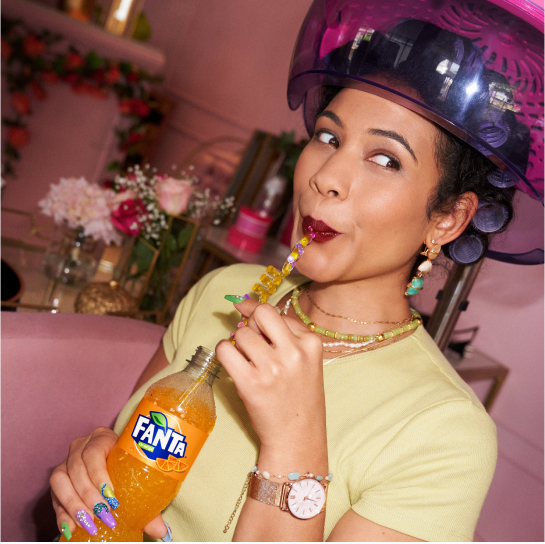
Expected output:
(272, 277)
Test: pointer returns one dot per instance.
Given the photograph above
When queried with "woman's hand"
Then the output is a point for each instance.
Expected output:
(277, 369)
(76, 484)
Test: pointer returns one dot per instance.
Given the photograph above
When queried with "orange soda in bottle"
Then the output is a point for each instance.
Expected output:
(154, 453)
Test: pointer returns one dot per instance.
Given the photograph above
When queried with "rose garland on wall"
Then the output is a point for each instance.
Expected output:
(31, 61)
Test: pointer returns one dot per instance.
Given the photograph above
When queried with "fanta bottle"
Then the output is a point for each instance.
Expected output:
(157, 448)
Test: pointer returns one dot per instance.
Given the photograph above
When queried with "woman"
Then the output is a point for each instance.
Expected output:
(411, 449)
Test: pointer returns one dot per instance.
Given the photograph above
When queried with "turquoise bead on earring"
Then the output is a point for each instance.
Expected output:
(415, 286)
(417, 283)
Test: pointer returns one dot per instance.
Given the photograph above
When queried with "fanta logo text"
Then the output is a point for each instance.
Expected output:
(168, 440)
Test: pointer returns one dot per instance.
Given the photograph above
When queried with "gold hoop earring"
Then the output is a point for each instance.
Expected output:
(417, 283)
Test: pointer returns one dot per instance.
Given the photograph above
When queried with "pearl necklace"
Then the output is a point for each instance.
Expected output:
(348, 340)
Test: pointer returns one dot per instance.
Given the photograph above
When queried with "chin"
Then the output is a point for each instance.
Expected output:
(317, 269)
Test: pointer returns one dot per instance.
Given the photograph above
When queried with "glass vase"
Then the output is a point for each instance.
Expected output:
(71, 258)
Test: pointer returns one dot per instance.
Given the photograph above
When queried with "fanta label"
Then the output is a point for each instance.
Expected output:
(161, 440)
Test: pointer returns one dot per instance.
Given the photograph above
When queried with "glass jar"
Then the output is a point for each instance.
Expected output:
(71, 257)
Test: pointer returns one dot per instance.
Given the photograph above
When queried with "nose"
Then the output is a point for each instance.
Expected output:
(334, 177)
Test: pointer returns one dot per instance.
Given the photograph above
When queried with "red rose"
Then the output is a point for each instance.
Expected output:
(112, 75)
(125, 106)
(7, 50)
(50, 77)
(18, 136)
(37, 91)
(73, 61)
(140, 108)
(125, 217)
(33, 47)
(21, 103)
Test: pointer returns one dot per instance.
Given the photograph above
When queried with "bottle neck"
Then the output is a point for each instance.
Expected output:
(203, 362)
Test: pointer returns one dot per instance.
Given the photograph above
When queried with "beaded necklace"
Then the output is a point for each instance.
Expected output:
(356, 341)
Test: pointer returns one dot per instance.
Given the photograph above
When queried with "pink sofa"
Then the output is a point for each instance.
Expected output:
(62, 376)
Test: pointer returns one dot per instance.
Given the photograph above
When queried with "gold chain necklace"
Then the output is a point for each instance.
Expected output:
(357, 339)
(406, 320)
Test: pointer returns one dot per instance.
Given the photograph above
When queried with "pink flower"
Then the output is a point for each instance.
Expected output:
(126, 216)
(174, 195)
(78, 203)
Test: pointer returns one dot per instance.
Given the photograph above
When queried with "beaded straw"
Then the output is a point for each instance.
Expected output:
(273, 277)
(380, 337)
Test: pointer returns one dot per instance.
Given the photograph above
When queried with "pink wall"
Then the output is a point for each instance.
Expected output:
(227, 65)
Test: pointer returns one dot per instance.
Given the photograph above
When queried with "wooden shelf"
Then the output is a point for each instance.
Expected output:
(86, 36)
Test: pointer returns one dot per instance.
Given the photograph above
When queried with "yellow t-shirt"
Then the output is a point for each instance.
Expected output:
(410, 446)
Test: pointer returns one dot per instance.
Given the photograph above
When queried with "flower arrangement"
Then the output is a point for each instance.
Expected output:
(32, 60)
(142, 205)
(82, 205)
(144, 198)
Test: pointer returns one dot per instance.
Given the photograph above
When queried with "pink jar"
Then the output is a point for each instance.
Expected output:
(250, 230)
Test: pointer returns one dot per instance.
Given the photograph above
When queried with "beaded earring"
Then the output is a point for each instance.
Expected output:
(417, 283)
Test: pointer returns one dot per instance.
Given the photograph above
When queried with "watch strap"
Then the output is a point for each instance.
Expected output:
(265, 490)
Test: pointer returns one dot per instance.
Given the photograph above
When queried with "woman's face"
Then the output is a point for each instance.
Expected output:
(366, 174)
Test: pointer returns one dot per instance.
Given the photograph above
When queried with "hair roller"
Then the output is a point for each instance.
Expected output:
(467, 249)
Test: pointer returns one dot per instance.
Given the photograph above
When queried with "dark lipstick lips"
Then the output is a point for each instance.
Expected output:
(322, 230)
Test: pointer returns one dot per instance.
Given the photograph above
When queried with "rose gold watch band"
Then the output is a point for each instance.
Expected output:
(272, 493)
(266, 491)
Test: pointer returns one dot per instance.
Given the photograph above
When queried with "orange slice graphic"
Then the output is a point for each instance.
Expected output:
(164, 465)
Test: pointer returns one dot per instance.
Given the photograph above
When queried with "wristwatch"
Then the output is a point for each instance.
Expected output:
(304, 498)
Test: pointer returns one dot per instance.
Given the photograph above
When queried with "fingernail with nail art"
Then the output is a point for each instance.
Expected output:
(65, 530)
(236, 298)
(87, 522)
(108, 493)
(103, 514)
(168, 536)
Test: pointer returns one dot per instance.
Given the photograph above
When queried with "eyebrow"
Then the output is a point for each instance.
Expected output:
(330, 115)
(394, 136)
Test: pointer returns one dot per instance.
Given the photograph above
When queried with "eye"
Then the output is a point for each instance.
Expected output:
(386, 161)
(327, 138)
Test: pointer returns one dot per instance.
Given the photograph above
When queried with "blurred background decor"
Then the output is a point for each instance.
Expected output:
(31, 64)
(159, 216)
(82, 212)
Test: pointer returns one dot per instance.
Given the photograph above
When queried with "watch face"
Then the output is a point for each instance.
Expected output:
(306, 498)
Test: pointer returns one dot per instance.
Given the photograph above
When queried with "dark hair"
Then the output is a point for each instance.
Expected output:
(462, 169)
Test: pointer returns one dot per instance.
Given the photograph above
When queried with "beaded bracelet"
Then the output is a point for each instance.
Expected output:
(293, 476)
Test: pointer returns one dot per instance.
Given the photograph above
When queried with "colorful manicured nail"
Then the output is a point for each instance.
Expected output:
(168, 536)
(65, 530)
(103, 514)
(108, 493)
(86, 522)
(236, 298)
